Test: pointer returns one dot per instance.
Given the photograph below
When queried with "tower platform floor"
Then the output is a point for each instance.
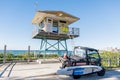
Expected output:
(53, 36)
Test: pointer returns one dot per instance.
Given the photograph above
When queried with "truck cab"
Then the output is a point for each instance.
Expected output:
(82, 56)
(83, 61)
(86, 56)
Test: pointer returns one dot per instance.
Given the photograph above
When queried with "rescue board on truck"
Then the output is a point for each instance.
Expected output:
(79, 70)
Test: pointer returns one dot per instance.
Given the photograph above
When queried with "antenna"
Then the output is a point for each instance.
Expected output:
(36, 5)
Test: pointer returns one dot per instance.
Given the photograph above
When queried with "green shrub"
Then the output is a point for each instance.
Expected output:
(110, 59)
(1, 55)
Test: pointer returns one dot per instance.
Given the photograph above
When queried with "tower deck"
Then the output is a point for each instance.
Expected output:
(38, 34)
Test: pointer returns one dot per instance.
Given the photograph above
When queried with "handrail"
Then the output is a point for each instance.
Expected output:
(35, 31)
(72, 31)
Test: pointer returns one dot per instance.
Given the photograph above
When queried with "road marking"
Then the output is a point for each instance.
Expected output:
(7, 70)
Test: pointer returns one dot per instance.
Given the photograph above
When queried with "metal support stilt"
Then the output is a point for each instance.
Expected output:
(46, 45)
(58, 48)
(45, 49)
(66, 46)
(40, 47)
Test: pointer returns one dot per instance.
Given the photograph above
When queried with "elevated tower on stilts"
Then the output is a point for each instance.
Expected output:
(53, 26)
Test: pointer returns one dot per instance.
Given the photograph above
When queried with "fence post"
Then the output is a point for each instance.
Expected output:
(118, 62)
(35, 55)
(109, 62)
(28, 60)
(4, 54)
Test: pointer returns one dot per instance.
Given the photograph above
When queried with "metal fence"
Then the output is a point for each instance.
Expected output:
(111, 62)
(72, 31)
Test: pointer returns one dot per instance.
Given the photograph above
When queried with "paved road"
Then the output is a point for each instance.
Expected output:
(110, 75)
(36, 71)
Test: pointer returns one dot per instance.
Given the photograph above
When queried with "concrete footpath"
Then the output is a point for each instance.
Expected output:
(24, 70)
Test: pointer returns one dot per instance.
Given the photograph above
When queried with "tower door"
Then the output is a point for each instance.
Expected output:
(55, 26)
(49, 25)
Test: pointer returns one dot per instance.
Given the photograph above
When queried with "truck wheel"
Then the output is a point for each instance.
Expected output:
(101, 73)
(76, 76)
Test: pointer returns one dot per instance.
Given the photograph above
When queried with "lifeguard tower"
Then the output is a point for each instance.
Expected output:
(53, 25)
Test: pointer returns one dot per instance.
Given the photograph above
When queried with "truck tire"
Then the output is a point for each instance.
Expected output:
(76, 76)
(101, 73)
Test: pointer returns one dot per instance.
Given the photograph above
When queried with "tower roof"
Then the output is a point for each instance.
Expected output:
(60, 15)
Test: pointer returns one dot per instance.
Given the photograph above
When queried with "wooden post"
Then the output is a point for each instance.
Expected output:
(4, 54)
(28, 54)
(35, 55)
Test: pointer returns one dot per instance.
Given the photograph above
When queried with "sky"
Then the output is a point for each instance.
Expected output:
(99, 22)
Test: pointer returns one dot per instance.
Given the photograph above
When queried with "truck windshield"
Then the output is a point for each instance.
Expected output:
(80, 52)
(93, 54)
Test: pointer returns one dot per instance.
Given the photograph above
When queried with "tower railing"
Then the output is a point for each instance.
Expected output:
(36, 30)
(72, 31)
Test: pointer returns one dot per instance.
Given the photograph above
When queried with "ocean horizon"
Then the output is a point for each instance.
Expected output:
(15, 52)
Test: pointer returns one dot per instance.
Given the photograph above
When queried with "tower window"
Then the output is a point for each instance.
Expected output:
(62, 21)
(41, 24)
